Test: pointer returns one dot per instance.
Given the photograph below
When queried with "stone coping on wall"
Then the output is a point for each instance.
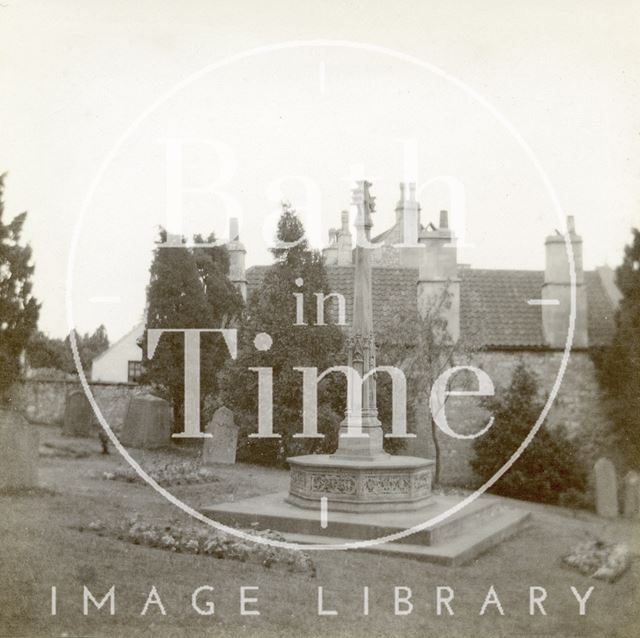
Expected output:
(125, 384)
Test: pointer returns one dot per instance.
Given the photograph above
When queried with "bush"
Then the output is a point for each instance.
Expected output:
(548, 467)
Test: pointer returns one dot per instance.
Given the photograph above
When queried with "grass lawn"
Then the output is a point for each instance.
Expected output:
(42, 547)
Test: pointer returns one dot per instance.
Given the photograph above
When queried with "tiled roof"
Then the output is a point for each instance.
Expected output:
(493, 303)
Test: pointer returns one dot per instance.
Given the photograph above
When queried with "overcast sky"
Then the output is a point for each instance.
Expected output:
(75, 75)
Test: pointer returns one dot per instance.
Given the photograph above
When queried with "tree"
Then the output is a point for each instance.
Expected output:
(421, 345)
(89, 347)
(56, 354)
(18, 308)
(47, 352)
(548, 467)
(618, 364)
(93, 344)
(188, 288)
(272, 309)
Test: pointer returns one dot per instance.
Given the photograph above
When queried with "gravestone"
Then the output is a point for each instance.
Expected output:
(632, 494)
(221, 447)
(18, 452)
(79, 419)
(606, 489)
(147, 423)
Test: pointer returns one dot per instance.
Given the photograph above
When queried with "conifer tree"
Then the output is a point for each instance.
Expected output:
(18, 308)
(272, 309)
(188, 288)
(618, 364)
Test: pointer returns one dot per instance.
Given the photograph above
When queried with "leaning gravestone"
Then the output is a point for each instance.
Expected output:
(18, 452)
(221, 446)
(632, 494)
(606, 489)
(147, 423)
(78, 415)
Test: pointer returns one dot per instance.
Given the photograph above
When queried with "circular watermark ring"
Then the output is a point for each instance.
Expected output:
(335, 44)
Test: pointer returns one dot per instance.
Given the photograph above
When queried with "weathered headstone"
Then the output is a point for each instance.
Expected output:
(147, 423)
(606, 488)
(632, 494)
(18, 452)
(78, 415)
(221, 447)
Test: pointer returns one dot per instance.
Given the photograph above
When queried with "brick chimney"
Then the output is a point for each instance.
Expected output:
(345, 249)
(407, 227)
(556, 291)
(339, 252)
(237, 252)
(439, 272)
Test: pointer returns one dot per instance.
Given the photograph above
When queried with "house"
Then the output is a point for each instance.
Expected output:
(121, 362)
(513, 315)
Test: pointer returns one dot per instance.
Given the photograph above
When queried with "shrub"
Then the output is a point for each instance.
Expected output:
(547, 468)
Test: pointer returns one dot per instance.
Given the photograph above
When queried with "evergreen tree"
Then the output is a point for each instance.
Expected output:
(225, 301)
(548, 467)
(18, 308)
(188, 288)
(272, 309)
(618, 364)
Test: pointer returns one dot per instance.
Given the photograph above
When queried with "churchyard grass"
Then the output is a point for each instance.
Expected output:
(43, 547)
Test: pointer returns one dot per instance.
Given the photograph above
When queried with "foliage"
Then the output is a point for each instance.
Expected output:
(618, 365)
(46, 352)
(18, 308)
(206, 541)
(188, 288)
(272, 309)
(421, 345)
(166, 474)
(56, 354)
(90, 346)
(547, 468)
(595, 558)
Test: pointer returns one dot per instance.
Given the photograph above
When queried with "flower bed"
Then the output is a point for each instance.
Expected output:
(595, 558)
(166, 474)
(206, 541)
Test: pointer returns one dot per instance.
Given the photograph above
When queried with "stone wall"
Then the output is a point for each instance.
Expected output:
(577, 406)
(43, 400)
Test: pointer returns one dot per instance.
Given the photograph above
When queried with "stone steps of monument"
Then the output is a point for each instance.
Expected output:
(273, 512)
(467, 519)
(452, 552)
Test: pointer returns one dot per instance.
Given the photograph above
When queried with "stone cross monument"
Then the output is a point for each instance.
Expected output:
(362, 413)
(376, 494)
(360, 476)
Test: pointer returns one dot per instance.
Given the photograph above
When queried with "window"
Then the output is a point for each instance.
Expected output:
(134, 371)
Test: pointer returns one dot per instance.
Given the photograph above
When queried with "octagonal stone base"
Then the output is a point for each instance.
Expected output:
(385, 483)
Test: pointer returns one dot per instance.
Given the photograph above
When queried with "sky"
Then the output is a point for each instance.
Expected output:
(301, 121)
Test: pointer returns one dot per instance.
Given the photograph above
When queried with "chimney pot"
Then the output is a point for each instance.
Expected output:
(444, 219)
(345, 221)
(571, 224)
(234, 233)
